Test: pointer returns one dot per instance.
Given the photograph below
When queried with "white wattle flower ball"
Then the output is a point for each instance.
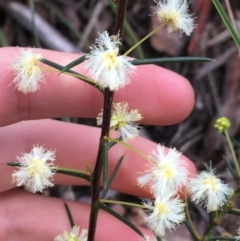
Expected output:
(174, 14)
(27, 72)
(74, 235)
(123, 120)
(36, 169)
(167, 172)
(209, 191)
(104, 65)
(166, 212)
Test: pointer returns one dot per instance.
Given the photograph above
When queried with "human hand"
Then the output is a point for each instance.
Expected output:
(161, 96)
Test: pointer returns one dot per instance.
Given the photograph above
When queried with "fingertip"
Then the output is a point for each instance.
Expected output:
(164, 97)
(183, 99)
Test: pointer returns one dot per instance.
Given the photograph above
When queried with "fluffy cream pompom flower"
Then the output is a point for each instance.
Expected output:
(123, 120)
(174, 13)
(167, 172)
(166, 212)
(209, 191)
(73, 235)
(27, 71)
(36, 169)
(105, 66)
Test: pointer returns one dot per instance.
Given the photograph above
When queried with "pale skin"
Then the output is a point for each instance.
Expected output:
(161, 96)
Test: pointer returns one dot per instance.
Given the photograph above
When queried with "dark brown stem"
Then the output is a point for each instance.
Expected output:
(107, 108)
(122, 5)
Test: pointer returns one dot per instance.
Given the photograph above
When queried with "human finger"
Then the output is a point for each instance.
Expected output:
(46, 217)
(165, 97)
(76, 147)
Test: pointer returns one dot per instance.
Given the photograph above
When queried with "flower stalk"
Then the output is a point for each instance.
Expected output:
(122, 203)
(232, 151)
(145, 38)
(132, 148)
(191, 227)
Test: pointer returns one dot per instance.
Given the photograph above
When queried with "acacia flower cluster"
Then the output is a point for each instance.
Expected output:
(174, 14)
(209, 191)
(123, 120)
(167, 172)
(36, 169)
(166, 177)
(74, 235)
(166, 212)
(27, 71)
(105, 66)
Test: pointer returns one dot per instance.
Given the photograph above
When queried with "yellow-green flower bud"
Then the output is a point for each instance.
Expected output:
(222, 124)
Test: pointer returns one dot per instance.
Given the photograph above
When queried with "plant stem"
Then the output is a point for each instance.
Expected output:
(122, 5)
(108, 100)
(107, 107)
(191, 227)
(233, 152)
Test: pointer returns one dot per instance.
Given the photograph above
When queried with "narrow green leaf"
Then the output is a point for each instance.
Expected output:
(227, 22)
(66, 119)
(191, 231)
(14, 164)
(61, 170)
(105, 164)
(230, 168)
(209, 234)
(234, 141)
(35, 33)
(76, 75)
(69, 215)
(237, 192)
(113, 143)
(234, 211)
(74, 63)
(72, 172)
(170, 60)
(112, 177)
(58, 66)
(224, 238)
(3, 39)
(121, 218)
(158, 238)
